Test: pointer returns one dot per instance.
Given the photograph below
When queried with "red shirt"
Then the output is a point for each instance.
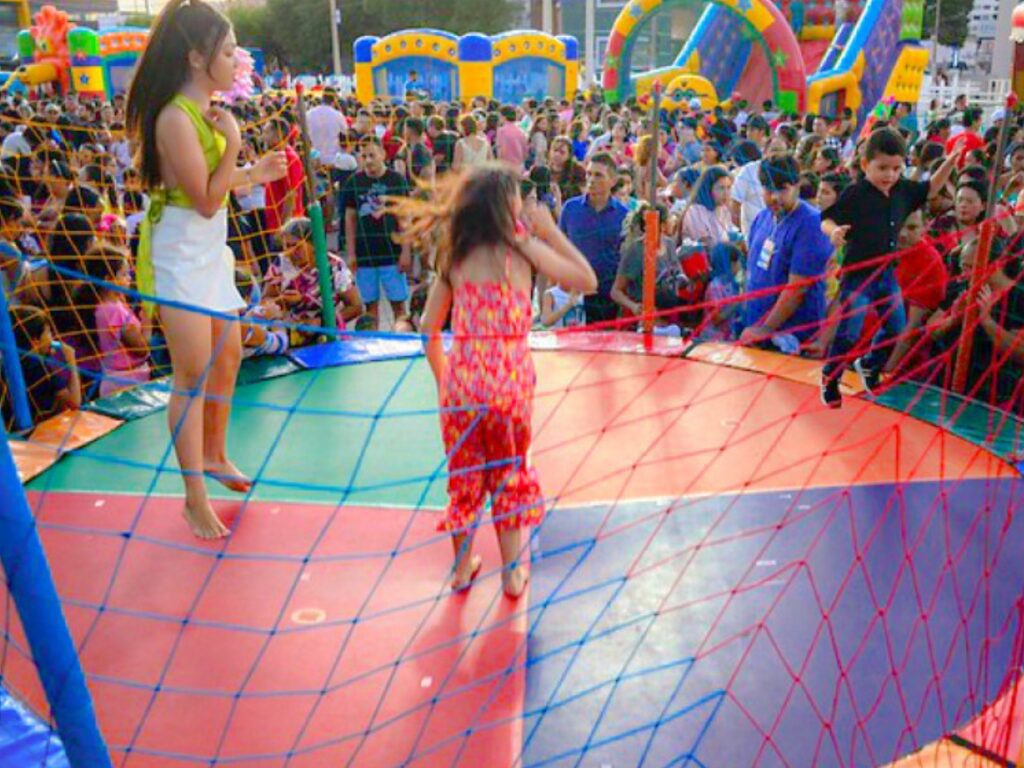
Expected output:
(392, 145)
(278, 190)
(922, 276)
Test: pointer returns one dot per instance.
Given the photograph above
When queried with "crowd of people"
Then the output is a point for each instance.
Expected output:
(775, 229)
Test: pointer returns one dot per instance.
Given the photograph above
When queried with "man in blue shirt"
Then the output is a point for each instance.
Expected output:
(787, 252)
(593, 223)
(414, 89)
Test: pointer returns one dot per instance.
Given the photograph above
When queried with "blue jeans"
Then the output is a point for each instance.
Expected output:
(856, 295)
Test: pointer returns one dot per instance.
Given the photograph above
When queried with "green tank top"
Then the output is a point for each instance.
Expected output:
(213, 144)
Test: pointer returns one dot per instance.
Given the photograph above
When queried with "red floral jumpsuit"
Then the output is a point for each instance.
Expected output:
(487, 405)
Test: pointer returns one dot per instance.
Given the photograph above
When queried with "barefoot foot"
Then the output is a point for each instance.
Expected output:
(203, 520)
(465, 575)
(228, 475)
(513, 582)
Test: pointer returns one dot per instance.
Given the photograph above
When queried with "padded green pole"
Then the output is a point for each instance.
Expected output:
(323, 265)
(316, 218)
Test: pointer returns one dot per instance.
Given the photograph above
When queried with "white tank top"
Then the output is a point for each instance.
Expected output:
(472, 156)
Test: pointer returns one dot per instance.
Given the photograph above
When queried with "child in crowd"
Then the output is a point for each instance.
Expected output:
(259, 338)
(120, 336)
(560, 308)
(486, 382)
(867, 219)
(923, 280)
(50, 369)
(293, 282)
(722, 313)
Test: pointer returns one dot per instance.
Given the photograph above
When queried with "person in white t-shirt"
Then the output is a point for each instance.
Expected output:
(15, 145)
(741, 201)
(747, 198)
(326, 125)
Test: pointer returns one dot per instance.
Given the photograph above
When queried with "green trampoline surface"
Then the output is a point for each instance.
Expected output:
(361, 434)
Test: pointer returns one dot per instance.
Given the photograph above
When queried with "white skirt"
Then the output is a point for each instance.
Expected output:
(192, 263)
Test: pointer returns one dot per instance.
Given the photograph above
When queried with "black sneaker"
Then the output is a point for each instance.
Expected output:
(830, 394)
(870, 378)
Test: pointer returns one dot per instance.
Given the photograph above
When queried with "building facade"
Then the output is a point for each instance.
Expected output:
(80, 11)
(981, 24)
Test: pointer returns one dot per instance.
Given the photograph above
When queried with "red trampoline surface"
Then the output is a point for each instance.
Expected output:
(478, 680)
(627, 427)
(421, 678)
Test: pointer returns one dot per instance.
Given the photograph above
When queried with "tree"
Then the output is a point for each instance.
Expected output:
(253, 28)
(298, 32)
(953, 18)
(139, 20)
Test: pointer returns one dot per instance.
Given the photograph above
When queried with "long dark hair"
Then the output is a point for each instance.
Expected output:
(464, 211)
(705, 196)
(482, 213)
(183, 26)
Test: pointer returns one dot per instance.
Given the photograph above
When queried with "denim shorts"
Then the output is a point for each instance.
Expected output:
(370, 280)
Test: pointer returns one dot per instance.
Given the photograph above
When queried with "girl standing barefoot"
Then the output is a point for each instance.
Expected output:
(187, 154)
(486, 382)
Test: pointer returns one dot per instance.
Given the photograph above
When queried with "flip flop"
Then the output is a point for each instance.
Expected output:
(231, 482)
(463, 588)
(526, 581)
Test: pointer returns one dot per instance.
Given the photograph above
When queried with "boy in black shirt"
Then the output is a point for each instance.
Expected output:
(867, 219)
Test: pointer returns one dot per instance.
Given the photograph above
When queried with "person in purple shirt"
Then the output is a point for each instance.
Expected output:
(593, 222)
(788, 252)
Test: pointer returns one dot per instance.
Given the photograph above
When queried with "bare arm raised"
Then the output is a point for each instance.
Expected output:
(553, 254)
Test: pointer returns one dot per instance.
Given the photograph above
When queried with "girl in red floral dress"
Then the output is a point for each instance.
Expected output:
(485, 267)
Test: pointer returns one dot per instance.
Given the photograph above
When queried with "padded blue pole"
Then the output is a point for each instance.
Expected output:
(31, 586)
(12, 366)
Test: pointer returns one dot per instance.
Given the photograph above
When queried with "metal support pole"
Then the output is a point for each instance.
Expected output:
(589, 34)
(965, 344)
(652, 223)
(935, 40)
(335, 42)
(548, 16)
(655, 142)
(30, 584)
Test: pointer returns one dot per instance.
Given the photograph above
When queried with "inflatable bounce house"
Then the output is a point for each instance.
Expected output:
(93, 64)
(817, 56)
(508, 67)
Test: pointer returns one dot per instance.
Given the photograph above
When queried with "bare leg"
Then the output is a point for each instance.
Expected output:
(220, 387)
(373, 310)
(513, 579)
(189, 340)
(398, 311)
(466, 563)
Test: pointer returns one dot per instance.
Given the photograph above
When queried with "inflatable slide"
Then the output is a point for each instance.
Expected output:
(818, 57)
